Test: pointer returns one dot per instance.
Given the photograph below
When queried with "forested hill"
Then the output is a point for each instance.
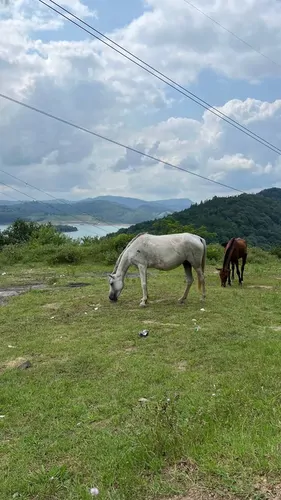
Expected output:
(256, 217)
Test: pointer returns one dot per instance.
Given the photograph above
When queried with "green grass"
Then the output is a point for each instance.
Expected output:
(74, 420)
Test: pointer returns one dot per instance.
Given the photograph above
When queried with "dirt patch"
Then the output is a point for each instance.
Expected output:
(267, 490)
(13, 363)
(154, 322)
(128, 350)
(181, 366)
(53, 306)
(13, 291)
(76, 285)
(200, 495)
(266, 287)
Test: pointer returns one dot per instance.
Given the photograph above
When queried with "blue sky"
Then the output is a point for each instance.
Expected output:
(61, 69)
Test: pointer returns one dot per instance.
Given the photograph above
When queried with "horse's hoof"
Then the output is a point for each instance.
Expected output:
(181, 302)
(142, 304)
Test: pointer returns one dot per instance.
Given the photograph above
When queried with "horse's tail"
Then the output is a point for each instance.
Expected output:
(203, 261)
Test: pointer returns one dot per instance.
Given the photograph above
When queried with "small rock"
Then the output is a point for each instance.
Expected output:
(144, 333)
(94, 491)
(25, 365)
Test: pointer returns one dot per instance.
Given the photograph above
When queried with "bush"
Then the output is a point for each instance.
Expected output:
(276, 251)
(258, 255)
(66, 254)
(215, 254)
(12, 254)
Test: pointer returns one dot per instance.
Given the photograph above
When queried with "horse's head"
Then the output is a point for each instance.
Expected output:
(224, 274)
(116, 285)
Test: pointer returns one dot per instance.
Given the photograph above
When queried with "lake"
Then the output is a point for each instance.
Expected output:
(87, 230)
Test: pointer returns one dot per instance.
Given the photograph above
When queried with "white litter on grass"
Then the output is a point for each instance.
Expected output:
(197, 328)
(94, 491)
(96, 308)
(11, 346)
(85, 313)
(3, 274)
(52, 317)
(2, 416)
(194, 320)
(202, 309)
(143, 400)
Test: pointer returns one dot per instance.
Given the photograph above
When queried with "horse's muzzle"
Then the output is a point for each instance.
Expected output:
(113, 298)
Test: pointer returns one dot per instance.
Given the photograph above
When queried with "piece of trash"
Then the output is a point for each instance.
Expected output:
(96, 308)
(202, 309)
(213, 394)
(144, 333)
(143, 400)
(52, 478)
(94, 491)
(85, 313)
(16, 495)
(197, 328)
(25, 365)
(52, 317)
(194, 320)
(3, 274)
(11, 346)
(78, 424)
(2, 416)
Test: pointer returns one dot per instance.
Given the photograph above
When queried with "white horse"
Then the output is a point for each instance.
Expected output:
(163, 252)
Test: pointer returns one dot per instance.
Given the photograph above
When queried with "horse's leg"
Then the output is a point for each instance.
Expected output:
(238, 272)
(232, 271)
(201, 279)
(244, 260)
(189, 280)
(228, 279)
(143, 278)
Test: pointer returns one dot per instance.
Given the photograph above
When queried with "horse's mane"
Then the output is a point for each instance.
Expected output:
(228, 251)
(122, 253)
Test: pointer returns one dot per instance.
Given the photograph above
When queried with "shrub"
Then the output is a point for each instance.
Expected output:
(215, 253)
(66, 254)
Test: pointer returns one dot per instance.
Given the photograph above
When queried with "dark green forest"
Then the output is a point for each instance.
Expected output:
(256, 217)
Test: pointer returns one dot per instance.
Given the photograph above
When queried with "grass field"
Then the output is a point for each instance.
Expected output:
(211, 418)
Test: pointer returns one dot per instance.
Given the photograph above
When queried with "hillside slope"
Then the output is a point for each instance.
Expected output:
(112, 209)
(256, 217)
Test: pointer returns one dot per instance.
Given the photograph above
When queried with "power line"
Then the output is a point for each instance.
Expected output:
(112, 141)
(9, 195)
(165, 79)
(231, 33)
(43, 202)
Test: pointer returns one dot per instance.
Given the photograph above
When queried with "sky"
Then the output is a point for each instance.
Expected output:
(49, 63)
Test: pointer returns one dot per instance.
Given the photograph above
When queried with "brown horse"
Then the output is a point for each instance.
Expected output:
(234, 249)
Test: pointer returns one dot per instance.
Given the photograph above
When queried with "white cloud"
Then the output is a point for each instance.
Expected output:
(87, 83)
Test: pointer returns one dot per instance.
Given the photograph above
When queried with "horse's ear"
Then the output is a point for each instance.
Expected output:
(223, 244)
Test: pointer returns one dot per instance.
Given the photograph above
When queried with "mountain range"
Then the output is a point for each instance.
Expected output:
(256, 217)
(104, 209)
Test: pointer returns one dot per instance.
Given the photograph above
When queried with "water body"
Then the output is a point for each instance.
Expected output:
(87, 230)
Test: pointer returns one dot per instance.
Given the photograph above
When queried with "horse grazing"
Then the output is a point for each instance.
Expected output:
(235, 249)
(163, 252)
